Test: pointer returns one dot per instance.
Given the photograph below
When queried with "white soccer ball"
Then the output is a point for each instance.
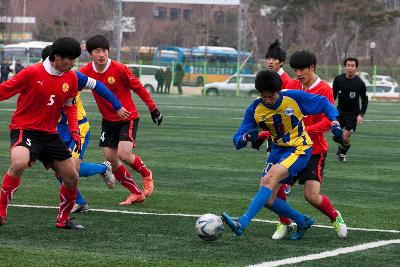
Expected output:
(209, 227)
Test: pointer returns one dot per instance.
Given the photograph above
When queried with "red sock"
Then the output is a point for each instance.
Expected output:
(281, 194)
(327, 208)
(67, 201)
(124, 177)
(10, 185)
(139, 166)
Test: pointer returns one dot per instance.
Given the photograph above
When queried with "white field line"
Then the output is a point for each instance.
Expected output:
(194, 216)
(327, 254)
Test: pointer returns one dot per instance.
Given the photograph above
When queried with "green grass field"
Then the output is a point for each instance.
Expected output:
(197, 170)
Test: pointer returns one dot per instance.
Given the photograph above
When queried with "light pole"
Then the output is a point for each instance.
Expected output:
(372, 46)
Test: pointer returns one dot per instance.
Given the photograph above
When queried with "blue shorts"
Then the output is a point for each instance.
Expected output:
(84, 131)
(294, 159)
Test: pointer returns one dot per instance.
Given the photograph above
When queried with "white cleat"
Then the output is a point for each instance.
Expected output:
(108, 176)
(340, 226)
(282, 230)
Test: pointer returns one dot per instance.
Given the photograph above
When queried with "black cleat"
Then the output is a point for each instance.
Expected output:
(2, 220)
(70, 224)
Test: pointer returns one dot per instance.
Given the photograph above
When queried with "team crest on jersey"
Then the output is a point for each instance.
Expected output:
(289, 111)
(352, 94)
(111, 80)
(65, 87)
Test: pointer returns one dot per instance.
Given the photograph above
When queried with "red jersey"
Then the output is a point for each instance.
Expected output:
(120, 80)
(316, 125)
(43, 91)
(284, 77)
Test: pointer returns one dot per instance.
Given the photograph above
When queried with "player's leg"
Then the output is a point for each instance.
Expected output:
(20, 158)
(127, 139)
(293, 161)
(284, 226)
(68, 193)
(349, 125)
(312, 180)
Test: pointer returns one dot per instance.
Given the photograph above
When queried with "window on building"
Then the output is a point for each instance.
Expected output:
(160, 13)
(219, 17)
(174, 13)
(187, 14)
(390, 4)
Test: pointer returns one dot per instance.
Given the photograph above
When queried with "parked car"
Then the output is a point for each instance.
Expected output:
(365, 77)
(385, 80)
(147, 76)
(383, 91)
(229, 86)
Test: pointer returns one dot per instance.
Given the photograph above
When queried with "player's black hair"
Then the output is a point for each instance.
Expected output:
(65, 47)
(268, 80)
(350, 59)
(275, 51)
(46, 52)
(302, 59)
(97, 41)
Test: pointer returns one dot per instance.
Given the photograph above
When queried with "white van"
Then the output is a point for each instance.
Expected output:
(147, 75)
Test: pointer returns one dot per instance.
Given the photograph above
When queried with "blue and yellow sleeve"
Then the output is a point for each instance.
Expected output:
(248, 123)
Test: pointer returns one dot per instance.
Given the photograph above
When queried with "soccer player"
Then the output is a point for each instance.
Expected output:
(44, 90)
(86, 169)
(275, 58)
(280, 113)
(304, 64)
(349, 88)
(118, 136)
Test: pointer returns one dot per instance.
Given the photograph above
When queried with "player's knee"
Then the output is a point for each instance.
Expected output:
(125, 156)
(71, 181)
(18, 165)
(311, 197)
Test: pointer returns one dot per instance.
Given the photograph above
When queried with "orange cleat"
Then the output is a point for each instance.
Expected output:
(133, 199)
(148, 186)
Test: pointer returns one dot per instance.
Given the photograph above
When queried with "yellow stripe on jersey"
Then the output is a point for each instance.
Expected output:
(285, 123)
(79, 105)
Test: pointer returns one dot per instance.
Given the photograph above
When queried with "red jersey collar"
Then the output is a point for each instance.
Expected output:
(105, 69)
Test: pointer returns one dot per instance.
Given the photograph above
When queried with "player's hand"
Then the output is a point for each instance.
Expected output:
(123, 113)
(337, 132)
(77, 139)
(360, 119)
(250, 135)
(264, 135)
(156, 116)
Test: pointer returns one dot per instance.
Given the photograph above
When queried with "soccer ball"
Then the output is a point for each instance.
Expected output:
(209, 227)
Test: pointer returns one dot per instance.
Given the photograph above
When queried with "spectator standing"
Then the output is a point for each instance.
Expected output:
(5, 71)
(160, 80)
(167, 79)
(179, 77)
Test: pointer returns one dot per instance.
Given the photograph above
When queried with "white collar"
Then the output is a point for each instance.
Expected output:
(317, 81)
(106, 68)
(50, 69)
(280, 71)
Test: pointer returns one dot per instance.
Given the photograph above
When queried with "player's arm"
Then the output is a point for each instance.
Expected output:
(364, 99)
(325, 124)
(139, 89)
(248, 130)
(15, 85)
(335, 88)
(71, 111)
(97, 86)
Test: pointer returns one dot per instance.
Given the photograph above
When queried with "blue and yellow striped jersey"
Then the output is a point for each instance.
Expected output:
(285, 119)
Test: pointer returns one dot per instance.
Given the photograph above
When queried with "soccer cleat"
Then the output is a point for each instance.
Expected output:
(108, 176)
(80, 208)
(300, 231)
(148, 186)
(281, 231)
(340, 226)
(233, 224)
(342, 157)
(2, 220)
(70, 224)
(133, 199)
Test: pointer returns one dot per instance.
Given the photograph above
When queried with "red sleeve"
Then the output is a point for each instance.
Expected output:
(15, 85)
(138, 88)
(285, 80)
(325, 124)
(71, 110)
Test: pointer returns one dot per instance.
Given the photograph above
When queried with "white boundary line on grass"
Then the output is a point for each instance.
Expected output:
(191, 215)
(327, 254)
